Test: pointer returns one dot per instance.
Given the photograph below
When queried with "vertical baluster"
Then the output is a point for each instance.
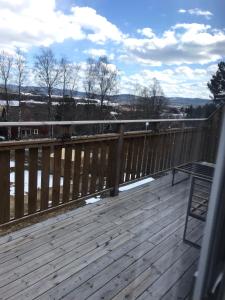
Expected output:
(103, 165)
(94, 166)
(56, 175)
(4, 186)
(190, 145)
(154, 158)
(181, 147)
(161, 151)
(45, 171)
(77, 171)
(148, 154)
(106, 177)
(164, 151)
(32, 192)
(129, 159)
(140, 156)
(19, 183)
(124, 162)
(118, 156)
(134, 159)
(67, 173)
(144, 156)
(85, 172)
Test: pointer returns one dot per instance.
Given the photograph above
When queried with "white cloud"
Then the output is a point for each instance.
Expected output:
(197, 12)
(99, 52)
(95, 52)
(182, 44)
(148, 32)
(102, 29)
(26, 23)
(181, 81)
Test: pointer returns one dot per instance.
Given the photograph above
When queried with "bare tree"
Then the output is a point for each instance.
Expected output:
(48, 72)
(74, 78)
(159, 101)
(70, 79)
(20, 73)
(6, 61)
(66, 74)
(151, 99)
(100, 79)
(106, 79)
(89, 79)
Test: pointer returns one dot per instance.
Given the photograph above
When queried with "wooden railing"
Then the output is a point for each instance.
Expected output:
(40, 175)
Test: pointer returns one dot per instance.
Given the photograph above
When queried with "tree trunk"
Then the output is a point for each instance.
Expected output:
(101, 106)
(64, 88)
(7, 100)
(49, 104)
(49, 109)
(20, 112)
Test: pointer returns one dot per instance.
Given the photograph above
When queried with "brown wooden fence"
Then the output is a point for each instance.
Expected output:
(40, 175)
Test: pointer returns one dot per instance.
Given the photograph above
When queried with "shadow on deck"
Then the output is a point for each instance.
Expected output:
(126, 247)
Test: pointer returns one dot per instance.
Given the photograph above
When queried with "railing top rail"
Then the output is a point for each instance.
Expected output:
(30, 143)
(95, 122)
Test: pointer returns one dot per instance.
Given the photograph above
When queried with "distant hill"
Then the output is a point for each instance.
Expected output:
(173, 101)
(121, 98)
(180, 101)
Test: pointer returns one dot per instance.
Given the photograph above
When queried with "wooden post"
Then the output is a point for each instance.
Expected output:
(155, 127)
(50, 131)
(66, 132)
(9, 135)
(118, 161)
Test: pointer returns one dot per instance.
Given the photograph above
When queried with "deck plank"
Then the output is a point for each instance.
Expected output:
(124, 247)
(71, 245)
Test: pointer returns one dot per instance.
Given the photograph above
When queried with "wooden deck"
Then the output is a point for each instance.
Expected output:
(126, 247)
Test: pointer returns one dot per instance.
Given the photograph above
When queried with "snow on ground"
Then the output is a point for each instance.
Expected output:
(135, 184)
(88, 201)
(11, 102)
(31, 101)
(26, 181)
(12, 164)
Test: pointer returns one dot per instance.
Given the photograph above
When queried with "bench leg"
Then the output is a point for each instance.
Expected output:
(185, 240)
(173, 175)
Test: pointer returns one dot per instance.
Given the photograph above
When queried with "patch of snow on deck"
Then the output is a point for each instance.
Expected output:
(93, 200)
(135, 184)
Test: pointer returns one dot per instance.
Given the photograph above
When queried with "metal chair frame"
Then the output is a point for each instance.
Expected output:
(190, 213)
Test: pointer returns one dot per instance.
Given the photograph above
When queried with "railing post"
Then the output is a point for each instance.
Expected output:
(66, 132)
(9, 133)
(118, 161)
(51, 131)
(155, 127)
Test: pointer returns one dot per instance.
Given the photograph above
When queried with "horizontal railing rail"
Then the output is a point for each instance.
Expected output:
(40, 175)
(96, 122)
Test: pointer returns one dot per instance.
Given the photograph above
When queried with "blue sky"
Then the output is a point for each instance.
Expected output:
(178, 42)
